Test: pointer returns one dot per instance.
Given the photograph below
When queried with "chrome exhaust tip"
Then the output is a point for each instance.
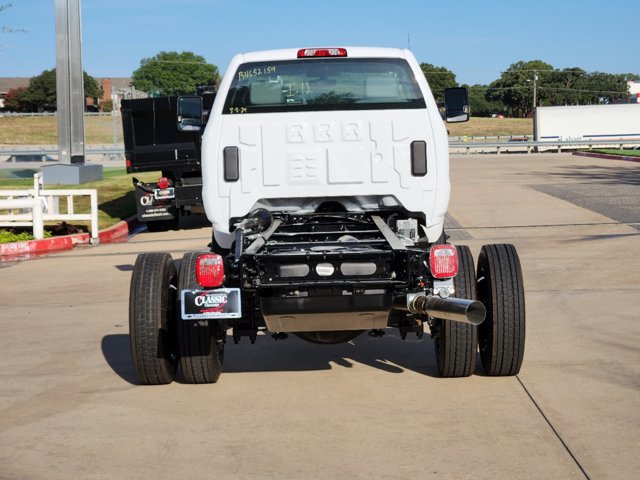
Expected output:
(461, 310)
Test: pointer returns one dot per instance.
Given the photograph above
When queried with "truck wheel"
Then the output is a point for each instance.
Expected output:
(456, 343)
(201, 341)
(152, 318)
(500, 287)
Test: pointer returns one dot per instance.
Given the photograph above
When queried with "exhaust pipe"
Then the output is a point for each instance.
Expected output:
(457, 309)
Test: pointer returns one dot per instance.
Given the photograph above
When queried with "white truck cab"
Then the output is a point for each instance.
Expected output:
(292, 128)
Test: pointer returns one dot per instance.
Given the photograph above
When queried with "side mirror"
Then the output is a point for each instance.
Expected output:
(189, 114)
(456, 104)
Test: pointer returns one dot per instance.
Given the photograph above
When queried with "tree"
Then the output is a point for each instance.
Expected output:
(515, 86)
(41, 93)
(563, 87)
(173, 73)
(13, 100)
(480, 106)
(606, 88)
(574, 86)
(438, 78)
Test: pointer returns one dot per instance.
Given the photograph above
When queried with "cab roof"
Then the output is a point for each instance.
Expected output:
(292, 53)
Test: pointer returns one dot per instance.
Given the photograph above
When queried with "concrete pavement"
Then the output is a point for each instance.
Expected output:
(373, 408)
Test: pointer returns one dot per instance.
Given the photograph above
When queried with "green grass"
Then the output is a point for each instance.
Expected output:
(116, 198)
(610, 151)
(7, 236)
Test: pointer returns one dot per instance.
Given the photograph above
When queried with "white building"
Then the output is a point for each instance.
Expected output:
(634, 91)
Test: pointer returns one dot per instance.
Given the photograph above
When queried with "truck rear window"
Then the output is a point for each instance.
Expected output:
(323, 84)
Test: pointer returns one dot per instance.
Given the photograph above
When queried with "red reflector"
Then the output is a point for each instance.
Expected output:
(443, 260)
(322, 52)
(163, 182)
(210, 270)
(128, 163)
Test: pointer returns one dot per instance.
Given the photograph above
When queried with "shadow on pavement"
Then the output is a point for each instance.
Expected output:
(116, 351)
(611, 174)
(389, 354)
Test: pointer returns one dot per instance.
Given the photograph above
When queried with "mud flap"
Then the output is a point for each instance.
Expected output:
(151, 209)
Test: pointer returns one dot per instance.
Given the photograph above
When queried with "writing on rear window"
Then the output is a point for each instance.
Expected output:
(256, 72)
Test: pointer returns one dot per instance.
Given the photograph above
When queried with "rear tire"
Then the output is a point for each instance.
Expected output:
(201, 341)
(152, 318)
(456, 343)
(501, 336)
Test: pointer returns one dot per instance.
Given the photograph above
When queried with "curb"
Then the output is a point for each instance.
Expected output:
(119, 230)
(607, 156)
(112, 234)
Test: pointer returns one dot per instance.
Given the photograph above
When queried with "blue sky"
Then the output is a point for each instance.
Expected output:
(474, 39)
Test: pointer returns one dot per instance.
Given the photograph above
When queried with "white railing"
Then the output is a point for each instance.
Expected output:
(43, 206)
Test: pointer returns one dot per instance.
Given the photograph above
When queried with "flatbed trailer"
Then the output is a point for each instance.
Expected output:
(153, 143)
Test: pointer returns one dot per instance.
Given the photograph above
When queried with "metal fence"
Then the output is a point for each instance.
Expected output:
(528, 145)
(504, 144)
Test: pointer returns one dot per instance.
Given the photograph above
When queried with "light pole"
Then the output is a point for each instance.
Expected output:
(69, 82)
(535, 89)
(70, 101)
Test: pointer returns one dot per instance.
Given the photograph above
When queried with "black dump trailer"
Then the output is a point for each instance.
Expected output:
(153, 143)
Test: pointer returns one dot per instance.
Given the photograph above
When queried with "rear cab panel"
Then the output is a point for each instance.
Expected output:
(325, 128)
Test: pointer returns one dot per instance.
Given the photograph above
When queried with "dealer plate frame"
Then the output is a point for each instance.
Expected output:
(212, 308)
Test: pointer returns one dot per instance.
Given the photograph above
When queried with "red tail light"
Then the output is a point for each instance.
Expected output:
(163, 182)
(443, 260)
(210, 270)
(322, 52)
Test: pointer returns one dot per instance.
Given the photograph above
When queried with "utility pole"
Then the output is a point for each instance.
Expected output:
(535, 89)
(70, 101)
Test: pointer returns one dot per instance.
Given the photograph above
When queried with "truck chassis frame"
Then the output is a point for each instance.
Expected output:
(327, 276)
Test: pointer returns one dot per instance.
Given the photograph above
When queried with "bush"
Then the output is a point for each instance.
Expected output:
(106, 106)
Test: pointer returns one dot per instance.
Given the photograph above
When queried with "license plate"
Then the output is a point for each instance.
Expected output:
(206, 304)
(164, 193)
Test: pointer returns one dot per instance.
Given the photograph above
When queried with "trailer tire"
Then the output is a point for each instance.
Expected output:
(456, 343)
(501, 336)
(201, 342)
(157, 226)
(163, 225)
(152, 318)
